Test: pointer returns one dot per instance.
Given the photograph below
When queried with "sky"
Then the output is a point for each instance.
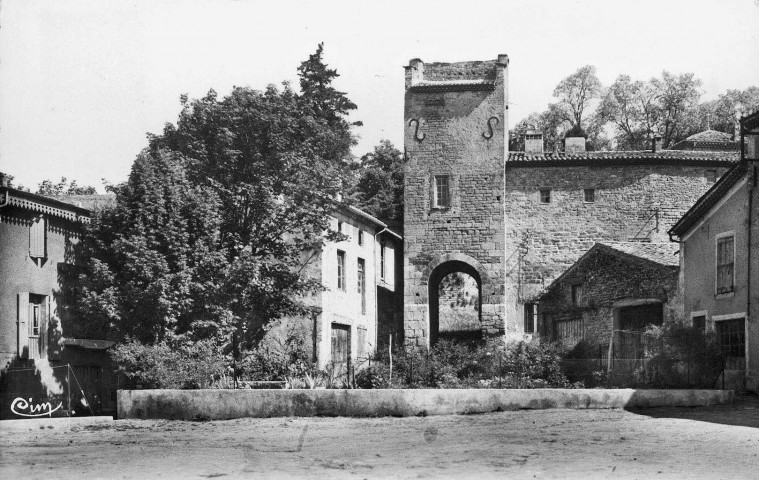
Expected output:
(82, 82)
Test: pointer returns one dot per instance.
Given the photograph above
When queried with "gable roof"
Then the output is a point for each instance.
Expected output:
(636, 157)
(709, 199)
(663, 254)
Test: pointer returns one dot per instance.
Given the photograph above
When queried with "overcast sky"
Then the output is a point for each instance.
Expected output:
(82, 82)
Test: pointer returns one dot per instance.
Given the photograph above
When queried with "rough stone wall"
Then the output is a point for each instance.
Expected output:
(450, 141)
(608, 281)
(543, 240)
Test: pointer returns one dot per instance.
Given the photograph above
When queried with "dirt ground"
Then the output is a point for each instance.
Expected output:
(705, 442)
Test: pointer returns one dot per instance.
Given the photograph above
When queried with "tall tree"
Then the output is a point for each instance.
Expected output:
(379, 187)
(633, 108)
(678, 96)
(576, 93)
(272, 164)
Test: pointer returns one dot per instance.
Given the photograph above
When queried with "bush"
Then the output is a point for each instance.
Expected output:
(451, 364)
(282, 353)
(682, 357)
(187, 366)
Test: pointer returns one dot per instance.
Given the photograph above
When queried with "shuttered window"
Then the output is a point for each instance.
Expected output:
(725, 264)
(340, 270)
(361, 278)
(37, 238)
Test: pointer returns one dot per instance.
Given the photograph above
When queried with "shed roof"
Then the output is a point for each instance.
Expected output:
(662, 253)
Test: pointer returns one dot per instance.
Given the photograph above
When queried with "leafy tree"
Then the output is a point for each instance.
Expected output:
(379, 187)
(47, 187)
(222, 213)
(576, 93)
(632, 106)
(678, 96)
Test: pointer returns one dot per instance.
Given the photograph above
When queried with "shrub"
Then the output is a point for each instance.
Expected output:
(682, 357)
(187, 366)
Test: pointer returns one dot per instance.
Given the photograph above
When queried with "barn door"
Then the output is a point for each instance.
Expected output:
(340, 348)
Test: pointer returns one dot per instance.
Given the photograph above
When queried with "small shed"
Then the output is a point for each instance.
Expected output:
(614, 286)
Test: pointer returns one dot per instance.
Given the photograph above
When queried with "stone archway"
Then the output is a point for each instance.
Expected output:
(438, 274)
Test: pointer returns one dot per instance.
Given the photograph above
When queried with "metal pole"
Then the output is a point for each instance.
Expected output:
(390, 352)
(68, 388)
(234, 360)
(500, 385)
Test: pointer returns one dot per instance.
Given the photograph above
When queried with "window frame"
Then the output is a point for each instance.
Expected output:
(341, 277)
(360, 237)
(530, 315)
(718, 239)
(436, 194)
(544, 199)
(592, 192)
(383, 259)
(711, 175)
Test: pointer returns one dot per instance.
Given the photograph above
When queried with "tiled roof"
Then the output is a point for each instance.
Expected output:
(662, 253)
(623, 158)
(709, 140)
(710, 136)
(709, 199)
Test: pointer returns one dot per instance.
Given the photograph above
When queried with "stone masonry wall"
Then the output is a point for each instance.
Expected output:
(543, 240)
(450, 141)
(607, 280)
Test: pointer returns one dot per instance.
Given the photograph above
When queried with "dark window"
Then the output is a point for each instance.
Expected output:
(340, 270)
(545, 195)
(711, 176)
(725, 264)
(577, 294)
(529, 317)
(339, 226)
(590, 195)
(362, 284)
(699, 323)
(732, 337)
(360, 237)
(442, 191)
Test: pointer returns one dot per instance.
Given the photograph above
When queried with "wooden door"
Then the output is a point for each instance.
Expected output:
(340, 348)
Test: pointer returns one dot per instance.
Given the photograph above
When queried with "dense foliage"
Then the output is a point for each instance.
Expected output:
(220, 216)
(64, 187)
(379, 184)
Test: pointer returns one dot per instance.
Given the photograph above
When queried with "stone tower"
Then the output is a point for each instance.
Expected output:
(456, 122)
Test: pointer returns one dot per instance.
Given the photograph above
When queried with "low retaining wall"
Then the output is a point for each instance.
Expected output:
(223, 404)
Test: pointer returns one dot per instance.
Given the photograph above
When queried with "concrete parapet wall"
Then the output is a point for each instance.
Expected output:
(224, 404)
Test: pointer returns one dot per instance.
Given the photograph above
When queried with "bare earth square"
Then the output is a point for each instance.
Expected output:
(703, 442)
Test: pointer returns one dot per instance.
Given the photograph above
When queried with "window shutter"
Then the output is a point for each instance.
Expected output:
(23, 324)
(37, 238)
(390, 266)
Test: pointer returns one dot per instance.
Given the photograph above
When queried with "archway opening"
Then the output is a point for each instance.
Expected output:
(455, 293)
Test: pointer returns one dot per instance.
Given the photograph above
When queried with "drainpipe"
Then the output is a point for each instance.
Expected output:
(751, 171)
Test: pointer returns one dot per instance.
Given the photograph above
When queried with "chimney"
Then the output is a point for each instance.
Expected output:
(414, 72)
(657, 145)
(5, 181)
(533, 142)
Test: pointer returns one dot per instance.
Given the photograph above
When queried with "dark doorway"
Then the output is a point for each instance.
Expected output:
(636, 318)
(455, 292)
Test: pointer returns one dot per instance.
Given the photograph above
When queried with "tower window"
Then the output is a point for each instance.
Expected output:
(545, 195)
(589, 195)
(442, 192)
